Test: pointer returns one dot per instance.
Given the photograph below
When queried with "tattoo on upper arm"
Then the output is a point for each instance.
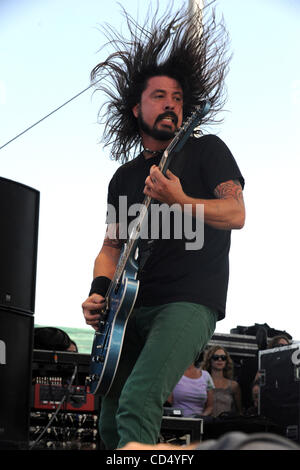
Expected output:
(229, 189)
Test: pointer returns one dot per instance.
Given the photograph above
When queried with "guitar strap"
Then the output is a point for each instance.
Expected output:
(146, 247)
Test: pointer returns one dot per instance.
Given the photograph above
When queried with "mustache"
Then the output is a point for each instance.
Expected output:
(167, 114)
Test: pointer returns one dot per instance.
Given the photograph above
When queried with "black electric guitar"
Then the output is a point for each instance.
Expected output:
(122, 292)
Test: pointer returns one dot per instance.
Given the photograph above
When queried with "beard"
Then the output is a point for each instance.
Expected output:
(158, 134)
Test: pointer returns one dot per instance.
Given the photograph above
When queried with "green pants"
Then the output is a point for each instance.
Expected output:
(160, 343)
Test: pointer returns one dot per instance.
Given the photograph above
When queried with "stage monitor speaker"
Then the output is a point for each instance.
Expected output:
(19, 212)
(16, 350)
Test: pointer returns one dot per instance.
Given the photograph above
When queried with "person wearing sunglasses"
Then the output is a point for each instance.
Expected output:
(227, 393)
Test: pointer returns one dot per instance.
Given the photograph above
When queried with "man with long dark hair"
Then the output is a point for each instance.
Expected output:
(153, 81)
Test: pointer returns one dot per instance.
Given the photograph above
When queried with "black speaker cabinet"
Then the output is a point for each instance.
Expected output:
(16, 346)
(279, 397)
(19, 212)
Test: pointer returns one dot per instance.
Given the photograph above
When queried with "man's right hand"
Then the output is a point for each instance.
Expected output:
(91, 308)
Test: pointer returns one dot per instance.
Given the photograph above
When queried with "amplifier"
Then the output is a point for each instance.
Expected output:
(279, 397)
(48, 396)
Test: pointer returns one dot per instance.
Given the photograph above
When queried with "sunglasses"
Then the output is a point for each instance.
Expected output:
(217, 357)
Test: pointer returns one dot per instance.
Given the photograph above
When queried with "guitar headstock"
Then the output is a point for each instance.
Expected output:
(190, 123)
(199, 112)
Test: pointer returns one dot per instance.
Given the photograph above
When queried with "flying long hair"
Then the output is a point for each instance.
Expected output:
(189, 49)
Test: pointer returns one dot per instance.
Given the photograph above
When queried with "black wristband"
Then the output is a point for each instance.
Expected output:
(100, 285)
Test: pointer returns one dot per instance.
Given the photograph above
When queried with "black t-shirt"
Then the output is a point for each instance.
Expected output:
(173, 273)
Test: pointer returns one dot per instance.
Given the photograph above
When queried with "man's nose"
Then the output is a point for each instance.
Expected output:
(169, 104)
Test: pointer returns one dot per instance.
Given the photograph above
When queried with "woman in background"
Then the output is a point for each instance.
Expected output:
(227, 392)
(193, 394)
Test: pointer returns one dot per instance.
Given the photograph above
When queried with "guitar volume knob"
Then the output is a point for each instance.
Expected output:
(98, 359)
(94, 377)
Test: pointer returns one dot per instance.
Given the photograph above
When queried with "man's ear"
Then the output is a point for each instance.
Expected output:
(136, 110)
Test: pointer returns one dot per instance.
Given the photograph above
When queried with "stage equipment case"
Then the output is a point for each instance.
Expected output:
(279, 397)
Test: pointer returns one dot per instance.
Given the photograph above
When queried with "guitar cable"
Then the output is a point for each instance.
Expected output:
(57, 410)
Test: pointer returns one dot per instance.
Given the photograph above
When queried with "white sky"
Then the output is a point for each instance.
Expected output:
(47, 50)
